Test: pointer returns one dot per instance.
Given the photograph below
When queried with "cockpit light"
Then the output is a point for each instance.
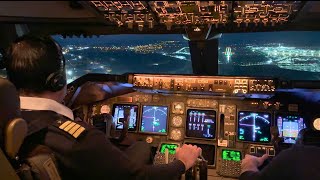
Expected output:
(316, 124)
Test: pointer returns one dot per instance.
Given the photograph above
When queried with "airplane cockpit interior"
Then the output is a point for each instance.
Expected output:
(231, 77)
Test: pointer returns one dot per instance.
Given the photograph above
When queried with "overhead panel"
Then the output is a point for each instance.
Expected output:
(198, 14)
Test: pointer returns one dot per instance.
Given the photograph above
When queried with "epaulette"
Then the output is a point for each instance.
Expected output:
(73, 128)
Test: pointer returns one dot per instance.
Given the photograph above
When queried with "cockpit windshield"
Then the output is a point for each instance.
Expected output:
(118, 54)
(287, 55)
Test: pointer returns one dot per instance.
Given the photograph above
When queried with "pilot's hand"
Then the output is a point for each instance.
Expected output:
(188, 154)
(251, 163)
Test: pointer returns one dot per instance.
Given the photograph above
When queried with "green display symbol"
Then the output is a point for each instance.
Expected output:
(265, 139)
(231, 155)
(171, 148)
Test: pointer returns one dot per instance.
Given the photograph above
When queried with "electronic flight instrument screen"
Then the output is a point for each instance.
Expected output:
(118, 115)
(154, 119)
(254, 126)
(289, 127)
(201, 123)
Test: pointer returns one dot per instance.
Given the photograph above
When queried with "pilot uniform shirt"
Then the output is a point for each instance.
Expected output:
(83, 151)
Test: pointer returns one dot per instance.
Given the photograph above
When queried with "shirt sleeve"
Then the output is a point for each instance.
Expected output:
(279, 168)
(94, 157)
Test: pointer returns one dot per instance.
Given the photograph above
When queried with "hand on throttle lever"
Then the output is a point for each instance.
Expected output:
(188, 154)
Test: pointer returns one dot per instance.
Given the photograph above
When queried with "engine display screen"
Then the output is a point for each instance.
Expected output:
(289, 127)
(208, 152)
(118, 115)
(254, 126)
(171, 148)
(154, 119)
(231, 155)
(201, 123)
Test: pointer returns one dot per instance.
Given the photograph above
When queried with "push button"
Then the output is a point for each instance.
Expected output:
(272, 152)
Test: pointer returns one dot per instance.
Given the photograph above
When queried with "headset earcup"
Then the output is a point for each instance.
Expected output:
(56, 81)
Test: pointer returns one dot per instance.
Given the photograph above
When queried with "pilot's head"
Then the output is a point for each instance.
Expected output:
(36, 66)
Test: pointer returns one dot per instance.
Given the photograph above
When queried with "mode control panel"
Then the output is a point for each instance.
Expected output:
(203, 84)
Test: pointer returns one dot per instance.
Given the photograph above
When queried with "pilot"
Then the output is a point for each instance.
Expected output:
(35, 65)
(296, 163)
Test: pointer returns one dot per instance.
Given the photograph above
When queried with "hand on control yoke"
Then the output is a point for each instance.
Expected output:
(188, 154)
(251, 163)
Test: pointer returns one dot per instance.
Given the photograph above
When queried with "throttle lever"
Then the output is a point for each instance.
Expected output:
(202, 164)
(203, 168)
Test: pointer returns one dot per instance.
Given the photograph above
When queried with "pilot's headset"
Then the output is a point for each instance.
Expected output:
(56, 80)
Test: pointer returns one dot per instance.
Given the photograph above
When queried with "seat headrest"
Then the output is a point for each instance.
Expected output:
(13, 129)
(9, 102)
(308, 136)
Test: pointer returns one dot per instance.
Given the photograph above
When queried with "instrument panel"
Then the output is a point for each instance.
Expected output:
(227, 121)
(226, 128)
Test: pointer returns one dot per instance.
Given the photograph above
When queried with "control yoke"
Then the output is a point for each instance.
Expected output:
(125, 122)
(110, 126)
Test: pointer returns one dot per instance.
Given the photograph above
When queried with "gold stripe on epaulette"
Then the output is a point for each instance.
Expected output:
(65, 124)
(78, 132)
(72, 130)
(69, 126)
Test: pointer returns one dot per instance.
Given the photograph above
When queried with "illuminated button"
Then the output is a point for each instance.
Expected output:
(272, 152)
(252, 149)
(177, 121)
(149, 139)
(176, 134)
(260, 150)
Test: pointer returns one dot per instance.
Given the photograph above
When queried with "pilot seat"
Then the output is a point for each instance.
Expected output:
(39, 163)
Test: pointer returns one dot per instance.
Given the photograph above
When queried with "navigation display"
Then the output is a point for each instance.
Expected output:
(289, 127)
(208, 152)
(154, 119)
(231, 155)
(118, 115)
(254, 126)
(171, 148)
(201, 123)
